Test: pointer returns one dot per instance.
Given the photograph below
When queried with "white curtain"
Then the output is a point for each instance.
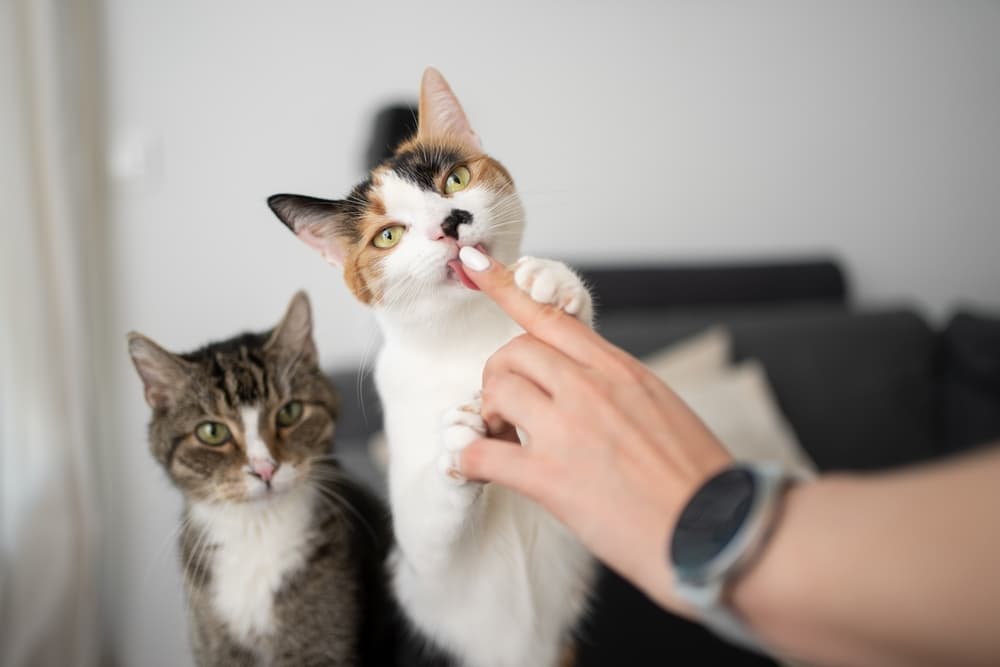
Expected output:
(50, 274)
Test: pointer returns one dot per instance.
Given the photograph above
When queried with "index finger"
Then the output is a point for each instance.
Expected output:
(543, 321)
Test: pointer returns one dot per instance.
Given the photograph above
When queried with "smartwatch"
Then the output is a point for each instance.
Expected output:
(719, 532)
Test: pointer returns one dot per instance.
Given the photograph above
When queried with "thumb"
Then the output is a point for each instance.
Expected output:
(503, 462)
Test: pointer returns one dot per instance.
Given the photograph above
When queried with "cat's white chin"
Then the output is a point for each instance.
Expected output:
(259, 494)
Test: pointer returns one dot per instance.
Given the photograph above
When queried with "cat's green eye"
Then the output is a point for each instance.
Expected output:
(457, 180)
(290, 413)
(213, 434)
(389, 236)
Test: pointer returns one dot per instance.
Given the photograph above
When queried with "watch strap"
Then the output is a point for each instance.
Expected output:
(717, 617)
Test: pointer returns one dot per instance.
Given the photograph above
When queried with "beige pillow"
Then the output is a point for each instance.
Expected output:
(694, 359)
(740, 409)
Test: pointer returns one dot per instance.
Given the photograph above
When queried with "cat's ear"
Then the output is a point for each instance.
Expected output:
(294, 333)
(318, 222)
(163, 374)
(440, 114)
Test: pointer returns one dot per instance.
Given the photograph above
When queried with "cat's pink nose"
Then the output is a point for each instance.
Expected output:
(264, 469)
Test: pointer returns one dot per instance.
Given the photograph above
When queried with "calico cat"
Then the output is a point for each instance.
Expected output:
(283, 556)
(484, 573)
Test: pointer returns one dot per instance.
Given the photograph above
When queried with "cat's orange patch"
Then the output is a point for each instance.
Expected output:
(376, 206)
(363, 264)
(490, 174)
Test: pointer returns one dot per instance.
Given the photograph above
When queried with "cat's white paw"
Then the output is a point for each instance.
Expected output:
(551, 282)
(460, 426)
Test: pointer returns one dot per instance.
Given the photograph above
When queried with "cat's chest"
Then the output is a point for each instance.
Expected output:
(256, 550)
(440, 375)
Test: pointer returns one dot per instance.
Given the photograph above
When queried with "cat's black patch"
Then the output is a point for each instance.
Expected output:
(359, 200)
(455, 218)
(422, 165)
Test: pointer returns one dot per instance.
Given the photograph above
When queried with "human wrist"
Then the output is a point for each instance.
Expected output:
(774, 593)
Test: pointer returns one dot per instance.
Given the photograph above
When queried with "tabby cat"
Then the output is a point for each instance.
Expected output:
(484, 573)
(283, 555)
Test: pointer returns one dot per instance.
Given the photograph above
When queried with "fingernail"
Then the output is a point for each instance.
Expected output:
(473, 259)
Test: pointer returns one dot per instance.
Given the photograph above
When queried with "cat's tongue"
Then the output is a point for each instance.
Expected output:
(463, 277)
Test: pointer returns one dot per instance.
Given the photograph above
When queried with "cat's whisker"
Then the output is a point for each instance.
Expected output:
(505, 222)
(501, 221)
(502, 224)
(330, 505)
(512, 213)
(506, 199)
(329, 474)
(408, 290)
(363, 369)
(513, 206)
(321, 457)
(505, 233)
(194, 556)
(163, 548)
(512, 209)
(509, 217)
(505, 230)
(328, 492)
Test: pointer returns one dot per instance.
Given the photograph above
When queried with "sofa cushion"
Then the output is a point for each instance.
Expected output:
(970, 372)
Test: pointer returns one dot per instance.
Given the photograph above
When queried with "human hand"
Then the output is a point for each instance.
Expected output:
(609, 449)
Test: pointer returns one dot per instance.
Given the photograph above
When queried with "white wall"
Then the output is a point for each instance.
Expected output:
(636, 130)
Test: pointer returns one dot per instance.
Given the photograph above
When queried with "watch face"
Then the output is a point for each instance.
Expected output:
(711, 519)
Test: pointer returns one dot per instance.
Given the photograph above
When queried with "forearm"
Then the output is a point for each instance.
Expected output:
(884, 569)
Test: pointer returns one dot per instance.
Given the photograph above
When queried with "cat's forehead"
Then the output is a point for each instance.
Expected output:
(404, 201)
(422, 164)
(417, 170)
(236, 370)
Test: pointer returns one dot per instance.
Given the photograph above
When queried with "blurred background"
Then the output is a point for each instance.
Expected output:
(140, 140)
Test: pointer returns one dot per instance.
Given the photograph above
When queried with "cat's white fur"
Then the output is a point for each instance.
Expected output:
(255, 545)
(486, 573)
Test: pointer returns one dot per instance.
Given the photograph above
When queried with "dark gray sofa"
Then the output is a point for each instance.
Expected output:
(863, 388)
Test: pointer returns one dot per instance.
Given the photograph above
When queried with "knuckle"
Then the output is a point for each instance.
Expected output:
(595, 386)
(518, 344)
(502, 384)
(497, 362)
(494, 389)
(546, 319)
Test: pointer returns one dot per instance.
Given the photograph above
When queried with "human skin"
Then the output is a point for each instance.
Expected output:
(879, 569)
